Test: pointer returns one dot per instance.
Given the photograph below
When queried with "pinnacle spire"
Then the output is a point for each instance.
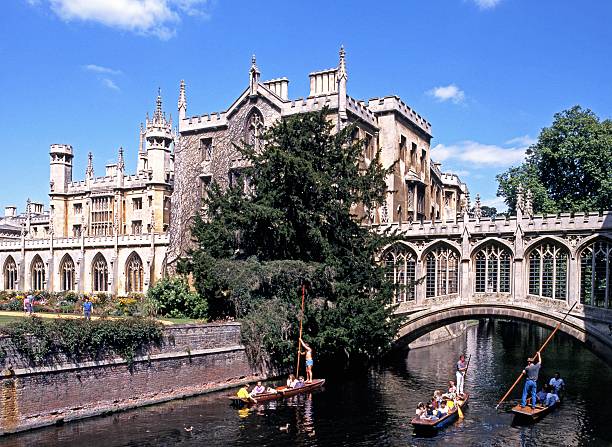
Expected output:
(182, 101)
(158, 109)
(120, 161)
(253, 76)
(89, 171)
(342, 64)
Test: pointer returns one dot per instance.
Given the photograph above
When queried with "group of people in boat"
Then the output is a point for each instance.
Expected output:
(549, 394)
(443, 403)
(244, 393)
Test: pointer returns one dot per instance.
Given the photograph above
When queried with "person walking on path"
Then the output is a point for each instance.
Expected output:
(531, 371)
(461, 368)
(28, 304)
(87, 308)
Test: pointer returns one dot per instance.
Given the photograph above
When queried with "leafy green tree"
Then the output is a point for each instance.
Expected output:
(298, 225)
(172, 297)
(569, 168)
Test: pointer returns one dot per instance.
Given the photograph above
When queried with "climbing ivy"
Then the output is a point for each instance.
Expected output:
(41, 340)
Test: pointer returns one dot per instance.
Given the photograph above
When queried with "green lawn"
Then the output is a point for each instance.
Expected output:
(4, 319)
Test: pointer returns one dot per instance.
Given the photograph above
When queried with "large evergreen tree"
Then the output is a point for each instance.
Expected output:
(295, 224)
(569, 168)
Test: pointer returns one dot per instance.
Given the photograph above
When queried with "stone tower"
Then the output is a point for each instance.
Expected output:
(159, 139)
(60, 177)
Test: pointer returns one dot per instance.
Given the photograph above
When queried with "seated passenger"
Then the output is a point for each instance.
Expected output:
(452, 390)
(450, 405)
(541, 395)
(299, 383)
(438, 396)
(557, 383)
(421, 410)
(259, 388)
(291, 381)
(243, 392)
(431, 413)
(551, 399)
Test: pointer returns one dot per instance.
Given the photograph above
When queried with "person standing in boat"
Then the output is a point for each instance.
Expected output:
(531, 371)
(309, 360)
(461, 369)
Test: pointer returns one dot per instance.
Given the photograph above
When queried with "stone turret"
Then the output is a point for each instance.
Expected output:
(61, 167)
(159, 138)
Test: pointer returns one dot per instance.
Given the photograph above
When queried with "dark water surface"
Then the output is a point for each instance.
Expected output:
(375, 410)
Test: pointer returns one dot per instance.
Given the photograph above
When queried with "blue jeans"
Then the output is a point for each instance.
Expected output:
(529, 388)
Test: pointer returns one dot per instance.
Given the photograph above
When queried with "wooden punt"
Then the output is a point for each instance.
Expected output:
(527, 415)
(281, 393)
(428, 425)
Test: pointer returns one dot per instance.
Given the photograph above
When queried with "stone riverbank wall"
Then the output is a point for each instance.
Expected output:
(193, 359)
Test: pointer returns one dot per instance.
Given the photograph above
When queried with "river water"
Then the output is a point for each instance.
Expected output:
(375, 409)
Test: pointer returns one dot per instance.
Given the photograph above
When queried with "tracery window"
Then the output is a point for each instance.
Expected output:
(442, 277)
(38, 273)
(99, 272)
(596, 274)
(10, 274)
(102, 216)
(400, 270)
(134, 273)
(548, 271)
(493, 269)
(67, 274)
(254, 129)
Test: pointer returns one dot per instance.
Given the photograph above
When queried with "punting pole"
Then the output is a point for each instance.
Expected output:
(297, 369)
(538, 352)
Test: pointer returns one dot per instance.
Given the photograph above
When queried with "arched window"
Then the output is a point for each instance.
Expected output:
(67, 274)
(38, 273)
(548, 271)
(493, 269)
(400, 270)
(596, 274)
(99, 273)
(442, 276)
(10, 274)
(134, 273)
(254, 128)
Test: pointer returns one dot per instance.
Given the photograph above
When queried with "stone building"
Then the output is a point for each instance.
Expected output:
(417, 188)
(101, 234)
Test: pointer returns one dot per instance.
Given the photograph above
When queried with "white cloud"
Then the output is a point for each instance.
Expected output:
(147, 17)
(447, 93)
(109, 83)
(479, 154)
(525, 140)
(487, 4)
(497, 202)
(100, 69)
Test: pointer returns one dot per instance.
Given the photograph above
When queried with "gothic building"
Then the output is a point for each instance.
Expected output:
(417, 188)
(101, 234)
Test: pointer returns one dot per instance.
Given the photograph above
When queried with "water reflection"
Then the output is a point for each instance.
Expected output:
(375, 410)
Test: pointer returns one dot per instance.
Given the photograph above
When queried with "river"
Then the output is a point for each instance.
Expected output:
(375, 409)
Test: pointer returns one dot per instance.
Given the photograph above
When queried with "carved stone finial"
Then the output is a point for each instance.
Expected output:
(520, 199)
(182, 101)
(89, 171)
(253, 76)
(342, 74)
(529, 203)
(120, 161)
(477, 209)
(158, 107)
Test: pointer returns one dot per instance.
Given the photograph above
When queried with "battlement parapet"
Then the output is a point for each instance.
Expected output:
(395, 104)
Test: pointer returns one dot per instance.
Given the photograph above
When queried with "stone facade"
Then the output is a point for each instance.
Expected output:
(101, 234)
(206, 152)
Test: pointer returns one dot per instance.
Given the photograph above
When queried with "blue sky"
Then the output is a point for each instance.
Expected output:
(488, 74)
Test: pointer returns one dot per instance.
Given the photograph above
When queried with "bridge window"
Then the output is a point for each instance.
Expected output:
(596, 274)
(400, 270)
(493, 269)
(548, 271)
(442, 272)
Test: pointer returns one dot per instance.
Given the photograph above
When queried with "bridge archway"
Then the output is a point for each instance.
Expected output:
(420, 323)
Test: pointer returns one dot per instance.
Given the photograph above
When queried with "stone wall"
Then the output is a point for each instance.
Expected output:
(193, 359)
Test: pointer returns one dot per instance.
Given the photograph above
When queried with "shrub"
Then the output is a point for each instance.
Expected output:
(39, 340)
(174, 299)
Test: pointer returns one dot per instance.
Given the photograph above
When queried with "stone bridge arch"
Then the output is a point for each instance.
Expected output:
(590, 334)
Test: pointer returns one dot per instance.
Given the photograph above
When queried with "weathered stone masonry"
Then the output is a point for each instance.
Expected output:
(193, 359)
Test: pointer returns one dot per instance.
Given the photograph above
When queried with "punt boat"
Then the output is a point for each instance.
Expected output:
(422, 425)
(281, 393)
(527, 415)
